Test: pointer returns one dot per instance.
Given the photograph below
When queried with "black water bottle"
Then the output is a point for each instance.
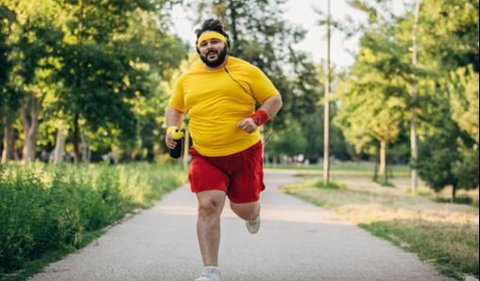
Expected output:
(176, 152)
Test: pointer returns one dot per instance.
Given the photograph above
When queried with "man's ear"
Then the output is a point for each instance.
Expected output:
(196, 48)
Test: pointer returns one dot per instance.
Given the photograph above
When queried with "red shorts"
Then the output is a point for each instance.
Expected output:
(239, 175)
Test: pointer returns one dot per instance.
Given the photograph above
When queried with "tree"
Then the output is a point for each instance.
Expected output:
(107, 64)
(35, 41)
(88, 66)
(9, 100)
(5, 67)
(463, 90)
(450, 33)
(372, 106)
(442, 164)
(450, 38)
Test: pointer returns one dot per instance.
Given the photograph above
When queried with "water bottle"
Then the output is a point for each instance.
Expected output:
(176, 152)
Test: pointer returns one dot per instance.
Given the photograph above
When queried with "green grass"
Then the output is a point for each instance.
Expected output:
(47, 211)
(443, 234)
(453, 248)
(329, 185)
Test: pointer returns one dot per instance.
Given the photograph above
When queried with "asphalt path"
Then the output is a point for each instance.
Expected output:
(297, 242)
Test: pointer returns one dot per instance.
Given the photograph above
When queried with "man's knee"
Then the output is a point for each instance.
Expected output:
(210, 206)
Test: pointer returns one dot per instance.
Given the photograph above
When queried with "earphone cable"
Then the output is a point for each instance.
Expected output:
(272, 131)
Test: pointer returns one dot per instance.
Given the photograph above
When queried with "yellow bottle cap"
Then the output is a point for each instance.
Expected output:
(177, 135)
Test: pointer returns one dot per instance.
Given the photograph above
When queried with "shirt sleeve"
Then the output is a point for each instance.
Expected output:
(177, 100)
(262, 87)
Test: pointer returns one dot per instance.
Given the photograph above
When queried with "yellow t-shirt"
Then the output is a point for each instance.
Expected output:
(216, 102)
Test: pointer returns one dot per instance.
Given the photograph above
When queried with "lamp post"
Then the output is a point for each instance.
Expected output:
(326, 118)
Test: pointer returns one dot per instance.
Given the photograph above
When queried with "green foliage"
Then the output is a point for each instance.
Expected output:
(445, 80)
(450, 33)
(466, 169)
(4, 48)
(290, 143)
(373, 93)
(463, 89)
(90, 65)
(48, 208)
(442, 163)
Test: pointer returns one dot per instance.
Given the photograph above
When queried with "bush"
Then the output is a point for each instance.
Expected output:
(51, 208)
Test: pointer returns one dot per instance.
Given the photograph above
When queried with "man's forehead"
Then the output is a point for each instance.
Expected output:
(211, 40)
(210, 35)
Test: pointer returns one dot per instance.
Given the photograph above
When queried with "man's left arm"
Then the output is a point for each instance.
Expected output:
(267, 110)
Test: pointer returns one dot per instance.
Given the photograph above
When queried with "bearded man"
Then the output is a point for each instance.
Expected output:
(219, 93)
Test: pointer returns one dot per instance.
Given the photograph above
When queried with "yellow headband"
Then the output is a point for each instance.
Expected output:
(211, 35)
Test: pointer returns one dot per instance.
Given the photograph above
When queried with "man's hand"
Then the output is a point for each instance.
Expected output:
(173, 119)
(169, 141)
(247, 125)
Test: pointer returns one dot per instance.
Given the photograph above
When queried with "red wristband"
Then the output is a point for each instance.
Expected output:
(260, 117)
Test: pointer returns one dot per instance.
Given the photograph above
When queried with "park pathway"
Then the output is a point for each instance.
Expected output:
(297, 242)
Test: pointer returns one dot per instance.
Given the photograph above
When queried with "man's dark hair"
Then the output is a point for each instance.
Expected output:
(211, 25)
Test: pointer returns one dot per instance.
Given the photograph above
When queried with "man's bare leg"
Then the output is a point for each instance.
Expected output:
(210, 206)
(250, 212)
(247, 211)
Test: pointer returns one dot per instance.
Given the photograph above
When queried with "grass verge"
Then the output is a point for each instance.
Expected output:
(445, 235)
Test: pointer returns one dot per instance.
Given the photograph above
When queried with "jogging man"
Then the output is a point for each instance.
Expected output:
(219, 94)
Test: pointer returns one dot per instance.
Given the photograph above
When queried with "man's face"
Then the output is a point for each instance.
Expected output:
(213, 52)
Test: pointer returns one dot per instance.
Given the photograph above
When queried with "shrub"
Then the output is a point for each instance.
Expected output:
(47, 208)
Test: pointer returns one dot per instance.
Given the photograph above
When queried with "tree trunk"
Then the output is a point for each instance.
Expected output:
(8, 139)
(383, 160)
(59, 144)
(86, 152)
(375, 172)
(76, 139)
(233, 18)
(413, 113)
(150, 157)
(30, 126)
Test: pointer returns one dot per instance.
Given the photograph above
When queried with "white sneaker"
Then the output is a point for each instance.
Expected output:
(253, 226)
(210, 274)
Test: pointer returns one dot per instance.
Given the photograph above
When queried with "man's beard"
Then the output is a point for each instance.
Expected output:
(216, 63)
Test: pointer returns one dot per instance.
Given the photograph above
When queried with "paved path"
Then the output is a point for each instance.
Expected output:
(297, 242)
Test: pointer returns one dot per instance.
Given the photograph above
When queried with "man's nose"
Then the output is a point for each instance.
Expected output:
(209, 44)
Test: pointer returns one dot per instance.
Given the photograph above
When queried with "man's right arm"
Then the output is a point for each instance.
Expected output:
(173, 117)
